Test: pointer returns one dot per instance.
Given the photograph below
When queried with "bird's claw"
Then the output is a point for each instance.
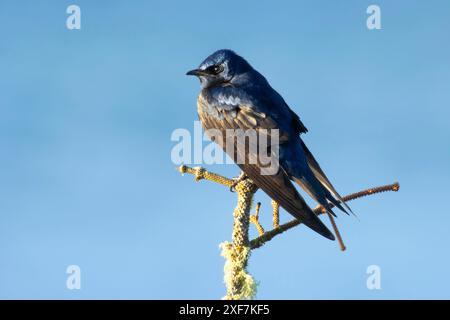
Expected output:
(238, 180)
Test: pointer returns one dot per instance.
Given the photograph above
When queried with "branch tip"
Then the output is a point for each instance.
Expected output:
(269, 235)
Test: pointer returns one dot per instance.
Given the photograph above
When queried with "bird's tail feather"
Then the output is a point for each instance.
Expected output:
(335, 198)
(317, 192)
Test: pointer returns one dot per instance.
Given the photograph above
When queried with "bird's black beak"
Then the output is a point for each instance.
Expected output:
(195, 72)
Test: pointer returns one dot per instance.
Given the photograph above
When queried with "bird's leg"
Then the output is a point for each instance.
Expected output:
(240, 178)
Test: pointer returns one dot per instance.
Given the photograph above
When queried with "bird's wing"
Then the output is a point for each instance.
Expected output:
(233, 114)
(333, 196)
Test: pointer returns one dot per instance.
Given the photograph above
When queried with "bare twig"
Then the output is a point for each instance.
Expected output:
(269, 235)
(336, 232)
(254, 218)
(275, 214)
(200, 173)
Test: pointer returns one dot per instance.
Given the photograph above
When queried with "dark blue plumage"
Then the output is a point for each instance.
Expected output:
(236, 96)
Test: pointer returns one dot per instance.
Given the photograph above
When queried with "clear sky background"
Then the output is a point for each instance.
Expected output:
(86, 176)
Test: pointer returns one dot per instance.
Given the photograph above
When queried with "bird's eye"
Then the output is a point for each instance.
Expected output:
(217, 69)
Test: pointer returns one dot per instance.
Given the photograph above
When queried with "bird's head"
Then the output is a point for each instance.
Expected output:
(220, 68)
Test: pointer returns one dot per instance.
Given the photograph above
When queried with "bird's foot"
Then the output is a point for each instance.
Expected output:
(237, 180)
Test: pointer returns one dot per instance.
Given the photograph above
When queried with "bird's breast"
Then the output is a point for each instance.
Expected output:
(205, 108)
(216, 105)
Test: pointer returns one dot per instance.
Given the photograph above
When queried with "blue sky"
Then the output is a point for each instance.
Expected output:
(86, 176)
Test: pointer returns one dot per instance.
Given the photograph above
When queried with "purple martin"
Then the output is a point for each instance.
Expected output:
(235, 96)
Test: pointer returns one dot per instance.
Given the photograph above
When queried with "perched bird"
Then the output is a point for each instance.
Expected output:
(236, 96)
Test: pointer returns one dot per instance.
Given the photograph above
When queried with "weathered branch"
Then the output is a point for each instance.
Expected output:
(241, 285)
